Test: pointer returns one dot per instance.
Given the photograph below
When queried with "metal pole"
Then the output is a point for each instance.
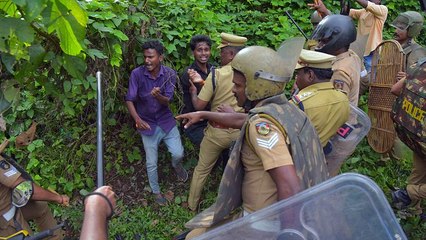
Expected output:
(100, 160)
(295, 24)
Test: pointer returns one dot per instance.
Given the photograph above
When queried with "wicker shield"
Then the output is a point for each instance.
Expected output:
(388, 60)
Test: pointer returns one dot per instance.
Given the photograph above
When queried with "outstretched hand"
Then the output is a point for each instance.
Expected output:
(194, 76)
(190, 118)
(319, 6)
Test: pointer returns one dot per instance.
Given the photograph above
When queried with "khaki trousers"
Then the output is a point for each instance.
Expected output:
(214, 142)
(39, 212)
(416, 187)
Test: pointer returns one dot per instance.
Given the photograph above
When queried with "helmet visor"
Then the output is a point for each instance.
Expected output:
(401, 22)
(289, 51)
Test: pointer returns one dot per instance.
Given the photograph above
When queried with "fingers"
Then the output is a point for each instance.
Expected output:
(65, 200)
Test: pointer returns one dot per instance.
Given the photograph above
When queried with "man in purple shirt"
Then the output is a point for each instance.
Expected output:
(151, 88)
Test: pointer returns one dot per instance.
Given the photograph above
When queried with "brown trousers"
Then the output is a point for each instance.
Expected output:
(416, 187)
(39, 212)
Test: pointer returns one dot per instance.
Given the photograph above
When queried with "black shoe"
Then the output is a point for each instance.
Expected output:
(400, 199)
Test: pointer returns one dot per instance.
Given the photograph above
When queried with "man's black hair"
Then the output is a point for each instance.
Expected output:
(199, 38)
(322, 74)
(153, 44)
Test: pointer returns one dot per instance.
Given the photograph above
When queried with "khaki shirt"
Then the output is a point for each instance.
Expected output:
(269, 151)
(346, 74)
(327, 108)
(8, 175)
(370, 22)
(223, 91)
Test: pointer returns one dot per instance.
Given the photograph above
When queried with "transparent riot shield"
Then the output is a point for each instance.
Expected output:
(349, 206)
(344, 142)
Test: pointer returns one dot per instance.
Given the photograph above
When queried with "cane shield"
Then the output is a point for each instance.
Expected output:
(388, 60)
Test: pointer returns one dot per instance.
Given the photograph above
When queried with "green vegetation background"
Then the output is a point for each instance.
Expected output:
(53, 49)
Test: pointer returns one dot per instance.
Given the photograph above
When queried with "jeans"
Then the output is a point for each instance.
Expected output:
(367, 62)
(150, 145)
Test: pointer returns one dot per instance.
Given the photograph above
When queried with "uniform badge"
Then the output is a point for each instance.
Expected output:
(338, 84)
(268, 143)
(4, 165)
(263, 128)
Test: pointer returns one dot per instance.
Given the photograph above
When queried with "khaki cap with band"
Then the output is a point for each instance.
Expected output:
(314, 59)
(231, 40)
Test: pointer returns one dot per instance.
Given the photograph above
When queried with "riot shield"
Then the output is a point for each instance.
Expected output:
(349, 206)
(388, 60)
(344, 142)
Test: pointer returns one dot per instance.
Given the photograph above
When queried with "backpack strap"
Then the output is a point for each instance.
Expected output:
(212, 70)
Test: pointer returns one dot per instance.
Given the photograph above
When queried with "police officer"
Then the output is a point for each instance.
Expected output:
(217, 90)
(408, 115)
(334, 35)
(325, 106)
(408, 26)
(279, 156)
(21, 199)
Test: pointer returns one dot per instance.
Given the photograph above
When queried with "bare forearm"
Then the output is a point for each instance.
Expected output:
(132, 110)
(198, 103)
(41, 194)
(230, 120)
(94, 224)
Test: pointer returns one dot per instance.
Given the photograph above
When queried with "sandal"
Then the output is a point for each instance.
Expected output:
(160, 199)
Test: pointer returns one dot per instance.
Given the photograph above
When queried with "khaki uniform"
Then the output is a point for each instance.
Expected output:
(258, 189)
(216, 138)
(346, 74)
(327, 108)
(34, 210)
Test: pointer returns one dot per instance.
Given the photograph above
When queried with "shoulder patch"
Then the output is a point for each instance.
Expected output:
(338, 84)
(263, 128)
(268, 143)
(305, 95)
(4, 165)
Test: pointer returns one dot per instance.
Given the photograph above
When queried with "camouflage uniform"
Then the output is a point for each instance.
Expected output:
(408, 114)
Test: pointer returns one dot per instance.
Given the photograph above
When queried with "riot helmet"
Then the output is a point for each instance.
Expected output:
(266, 70)
(411, 21)
(333, 33)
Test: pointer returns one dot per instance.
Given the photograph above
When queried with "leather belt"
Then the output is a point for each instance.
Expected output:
(217, 125)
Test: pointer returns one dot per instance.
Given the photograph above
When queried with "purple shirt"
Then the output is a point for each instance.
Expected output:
(148, 108)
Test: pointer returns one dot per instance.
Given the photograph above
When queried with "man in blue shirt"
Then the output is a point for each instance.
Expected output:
(151, 88)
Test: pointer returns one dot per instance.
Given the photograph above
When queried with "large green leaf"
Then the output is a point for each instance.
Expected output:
(33, 8)
(69, 21)
(75, 66)
(8, 7)
(19, 27)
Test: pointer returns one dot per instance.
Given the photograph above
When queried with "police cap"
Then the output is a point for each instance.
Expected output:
(314, 59)
(231, 40)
